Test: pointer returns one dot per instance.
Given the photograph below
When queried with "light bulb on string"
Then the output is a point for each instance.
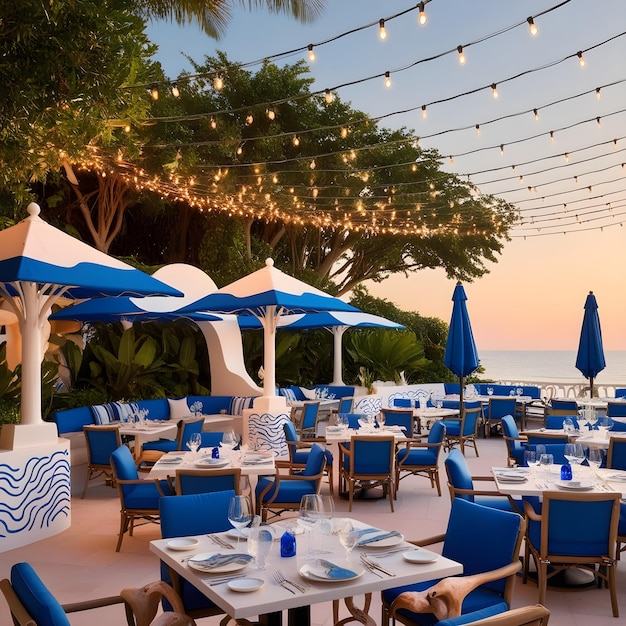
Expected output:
(451, 160)
(249, 119)
(296, 140)
(328, 96)
(521, 179)
(614, 144)
(478, 130)
(154, 92)
(382, 31)
(536, 114)
(494, 90)
(387, 80)
(552, 139)
(310, 53)
(344, 132)
(218, 83)
(312, 164)
(271, 114)
(581, 59)
(424, 112)
(598, 122)
(566, 156)
(213, 123)
(502, 149)
(421, 18)
(239, 149)
(461, 55)
(175, 90)
(532, 26)
(597, 93)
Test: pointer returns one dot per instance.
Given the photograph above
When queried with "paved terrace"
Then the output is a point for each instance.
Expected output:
(81, 563)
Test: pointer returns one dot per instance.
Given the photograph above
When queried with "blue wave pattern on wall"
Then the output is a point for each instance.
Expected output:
(266, 432)
(370, 405)
(35, 495)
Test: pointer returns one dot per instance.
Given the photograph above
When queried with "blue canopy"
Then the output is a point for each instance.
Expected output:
(590, 358)
(461, 357)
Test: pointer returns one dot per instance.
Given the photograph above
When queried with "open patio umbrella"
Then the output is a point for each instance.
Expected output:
(38, 265)
(461, 357)
(268, 294)
(336, 322)
(590, 358)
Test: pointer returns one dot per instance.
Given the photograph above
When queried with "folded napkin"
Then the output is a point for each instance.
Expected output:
(335, 571)
(367, 531)
(217, 560)
(255, 460)
(368, 540)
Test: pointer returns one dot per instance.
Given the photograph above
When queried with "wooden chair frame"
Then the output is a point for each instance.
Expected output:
(297, 417)
(211, 473)
(427, 471)
(95, 470)
(450, 441)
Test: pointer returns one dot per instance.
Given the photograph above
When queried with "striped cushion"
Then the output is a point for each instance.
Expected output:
(239, 403)
(122, 409)
(103, 414)
(290, 394)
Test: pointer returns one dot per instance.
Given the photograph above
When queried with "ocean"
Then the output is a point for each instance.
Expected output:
(549, 366)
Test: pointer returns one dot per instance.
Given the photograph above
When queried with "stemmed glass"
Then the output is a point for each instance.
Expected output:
(239, 513)
(530, 458)
(194, 442)
(308, 517)
(348, 536)
(381, 419)
(594, 458)
(574, 453)
(229, 441)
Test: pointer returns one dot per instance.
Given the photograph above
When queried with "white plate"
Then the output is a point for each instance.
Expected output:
(383, 543)
(182, 544)
(318, 573)
(228, 567)
(293, 527)
(244, 585)
(210, 462)
(618, 478)
(420, 556)
(167, 460)
(575, 485)
(241, 533)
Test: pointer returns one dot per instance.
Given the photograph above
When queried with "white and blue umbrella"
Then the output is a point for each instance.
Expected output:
(268, 294)
(38, 265)
(590, 358)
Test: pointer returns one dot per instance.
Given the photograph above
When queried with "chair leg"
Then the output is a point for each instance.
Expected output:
(390, 490)
(436, 476)
(612, 588)
(123, 528)
(350, 494)
(331, 479)
(89, 475)
(542, 580)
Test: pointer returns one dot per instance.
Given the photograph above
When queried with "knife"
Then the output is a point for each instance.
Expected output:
(393, 533)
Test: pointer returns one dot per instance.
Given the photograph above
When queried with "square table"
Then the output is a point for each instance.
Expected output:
(271, 598)
(151, 430)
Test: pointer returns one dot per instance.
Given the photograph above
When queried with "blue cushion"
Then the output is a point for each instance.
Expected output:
(144, 496)
(290, 490)
(315, 461)
(420, 456)
(469, 618)
(163, 445)
(44, 608)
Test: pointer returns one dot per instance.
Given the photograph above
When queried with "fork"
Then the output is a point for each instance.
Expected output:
(279, 579)
(374, 566)
(282, 581)
(370, 568)
(221, 542)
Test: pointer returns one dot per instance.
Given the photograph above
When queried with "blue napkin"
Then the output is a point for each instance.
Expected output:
(366, 531)
(217, 560)
(335, 571)
(368, 540)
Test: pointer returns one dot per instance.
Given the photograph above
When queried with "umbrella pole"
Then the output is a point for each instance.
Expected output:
(461, 385)
(590, 386)
(269, 352)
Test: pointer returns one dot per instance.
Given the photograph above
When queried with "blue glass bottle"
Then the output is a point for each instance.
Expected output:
(566, 472)
(215, 453)
(288, 544)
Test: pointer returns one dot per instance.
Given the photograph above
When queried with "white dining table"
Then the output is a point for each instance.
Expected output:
(336, 434)
(537, 480)
(151, 430)
(271, 598)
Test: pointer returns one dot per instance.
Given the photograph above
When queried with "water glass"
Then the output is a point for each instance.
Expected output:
(490, 391)
(348, 536)
(194, 442)
(325, 513)
(594, 458)
(239, 513)
(530, 458)
(546, 461)
(381, 419)
(260, 541)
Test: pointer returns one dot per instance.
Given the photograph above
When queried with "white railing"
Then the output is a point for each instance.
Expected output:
(551, 390)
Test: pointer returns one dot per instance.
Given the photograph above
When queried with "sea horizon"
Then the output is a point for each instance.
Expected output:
(549, 366)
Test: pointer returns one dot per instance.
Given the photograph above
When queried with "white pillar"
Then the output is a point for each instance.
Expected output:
(30, 328)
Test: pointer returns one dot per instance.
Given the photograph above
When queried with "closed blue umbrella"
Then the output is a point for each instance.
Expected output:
(590, 358)
(461, 357)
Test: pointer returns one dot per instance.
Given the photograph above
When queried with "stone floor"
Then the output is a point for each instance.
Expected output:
(81, 563)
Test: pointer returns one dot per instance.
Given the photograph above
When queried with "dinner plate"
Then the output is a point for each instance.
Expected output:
(167, 460)
(575, 485)
(383, 543)
(188, 543)
(419, 555)
(196, 563)
(318, 573)
(210, 462)
(241, 533)
(243, 585)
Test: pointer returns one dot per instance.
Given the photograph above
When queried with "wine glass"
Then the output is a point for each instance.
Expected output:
(594, 458)
(530, 458)
(260, 541)
(194, 442)
(348, 536)
(546, 461)
(239, 513)
(381, 418)
(308, 516)
(490, 391)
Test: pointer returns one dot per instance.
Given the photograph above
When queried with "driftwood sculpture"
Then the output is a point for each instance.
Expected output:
(445, 599)
(144, 604)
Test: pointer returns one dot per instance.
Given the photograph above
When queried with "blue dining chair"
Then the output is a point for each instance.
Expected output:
(193, 481)
(616, 409)
(402, 418)
(181, 516)
(278, 493)
(515, 445)
(555, 422)
(556, 544)
(139, 498)
(403, 403)
(184, 428)
(353, 419)
(421, 458)
(346, 404)
(485, 551)
(463, 430)
(535, 615)
(497, 408)
(299, 453)
(616, 459)
(101, 441)
(368, 462)
(306, 419)
(461, 485)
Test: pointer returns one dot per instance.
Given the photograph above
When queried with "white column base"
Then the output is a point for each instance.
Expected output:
(18, 436)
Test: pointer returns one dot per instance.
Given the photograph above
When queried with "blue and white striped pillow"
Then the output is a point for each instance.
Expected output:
(123, 409)
(239, 403)
(290, 394)
(103, 414)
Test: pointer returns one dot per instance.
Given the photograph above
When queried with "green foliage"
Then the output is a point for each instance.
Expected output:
(387, 353)
(10, 380)
(9, 411)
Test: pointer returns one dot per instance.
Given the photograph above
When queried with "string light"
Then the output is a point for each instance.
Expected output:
(478, 129)
(218, 83)
(581, 58)
(424, 112)
(494, 90)
(502, 149)
(175, 90)
(451, 160)
(382, 31)
(387, 79)
(310, 53)
(552, 139)
(296, 140)
(312, 164)
(536, 114)
(154, 92)
(532, 26)
(271, 114)
(461, 55)
(598, 122)
(249, 119)
(566, 155)
(422, 19)
(213, 123)
(328, 96)
(344, 132)
(597, 93)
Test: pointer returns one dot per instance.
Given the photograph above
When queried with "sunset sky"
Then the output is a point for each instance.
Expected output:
(572, 239)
